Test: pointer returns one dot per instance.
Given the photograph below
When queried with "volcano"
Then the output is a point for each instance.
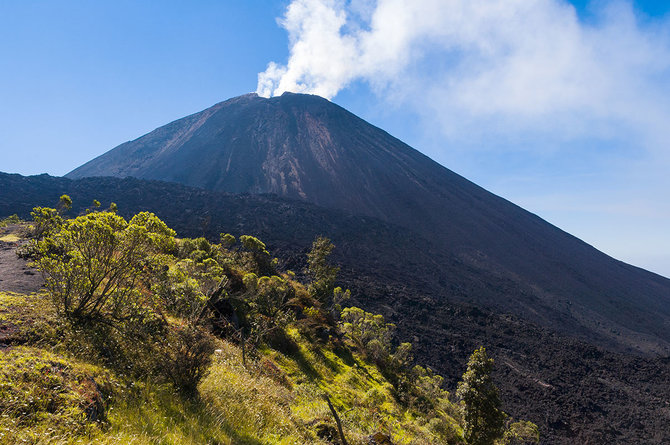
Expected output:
(307, 148)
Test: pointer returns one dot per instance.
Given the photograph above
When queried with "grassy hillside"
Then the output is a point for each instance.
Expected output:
(274, 352)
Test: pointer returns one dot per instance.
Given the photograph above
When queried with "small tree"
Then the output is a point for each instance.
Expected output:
(483, 417)
(322, 273)
(64, 204)
(271, 296)
(267, 299)
(46, 221)
(428, 384)
(265, 265)
(339, 297)
(227, 240)
(185, 287)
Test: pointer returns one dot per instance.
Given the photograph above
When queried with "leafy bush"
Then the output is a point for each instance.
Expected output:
(321, 272)
(263, 264)
(185, 355)
(227, 240)
(45, 222)
(184, 288)
(369, 332)
(268, 306)
(99, 269)
(520, 433)
(12, 219)
(425, 390)
(95, 264)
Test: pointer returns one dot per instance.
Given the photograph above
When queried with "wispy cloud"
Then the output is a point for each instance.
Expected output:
(510, 63)
(501, 76)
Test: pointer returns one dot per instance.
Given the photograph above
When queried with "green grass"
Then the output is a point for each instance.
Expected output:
(236, 405)
(27, 319)
(251, 402)
(277, 398)
(360, 393)
(45, 397)
(158, 415)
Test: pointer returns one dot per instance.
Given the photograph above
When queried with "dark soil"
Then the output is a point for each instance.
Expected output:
(15, 274)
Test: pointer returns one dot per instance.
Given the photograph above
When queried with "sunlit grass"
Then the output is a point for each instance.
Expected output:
(48, 398)
(10, 238)
(252, 405)
(27, 319)
(274, 398)
(362, 396)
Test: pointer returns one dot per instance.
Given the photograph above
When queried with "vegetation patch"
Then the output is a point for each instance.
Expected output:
(27, 319)
(251, 404)
(9, 238)
(366, 401)
(150, 414)
(213, 344)
(45, 397)
(10, 220)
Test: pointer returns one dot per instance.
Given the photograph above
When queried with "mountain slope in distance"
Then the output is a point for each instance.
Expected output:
(575, 392)
(305, 147)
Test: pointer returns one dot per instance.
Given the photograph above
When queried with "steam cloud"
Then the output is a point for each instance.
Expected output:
(494, 76)
(515, 60)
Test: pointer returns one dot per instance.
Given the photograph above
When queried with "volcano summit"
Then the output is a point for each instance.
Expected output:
(305, 147)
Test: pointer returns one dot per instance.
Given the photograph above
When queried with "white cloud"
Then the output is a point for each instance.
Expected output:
(495, 77)
(524, 63)
(321, 55)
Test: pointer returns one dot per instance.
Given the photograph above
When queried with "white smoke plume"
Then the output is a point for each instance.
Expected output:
(501, 76)
(517, 59)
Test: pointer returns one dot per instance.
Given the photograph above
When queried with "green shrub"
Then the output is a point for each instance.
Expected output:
(94, 264)
(45, 222)
(369, 332)
(520, 433)
(185, 355)
(321, 272)
(227, 240)
(263, 264)
(12, 219)
(268, 306)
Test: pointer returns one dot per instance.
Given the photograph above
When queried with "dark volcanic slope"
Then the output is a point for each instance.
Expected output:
(575, 392)
(305, 147)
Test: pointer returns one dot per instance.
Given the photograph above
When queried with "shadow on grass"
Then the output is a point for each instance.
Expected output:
(345, 355)
(305, 366)
(169, 412)
(348, 358)
(330, 363)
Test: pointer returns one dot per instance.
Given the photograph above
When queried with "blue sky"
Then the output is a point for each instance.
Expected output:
(559, 107)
